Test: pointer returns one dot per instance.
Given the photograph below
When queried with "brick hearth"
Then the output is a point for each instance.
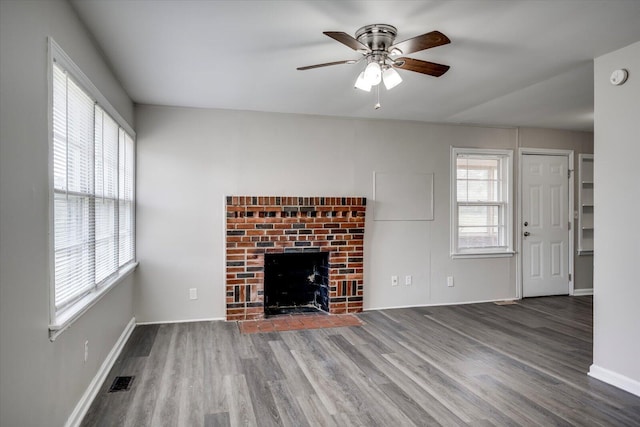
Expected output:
(259, 225)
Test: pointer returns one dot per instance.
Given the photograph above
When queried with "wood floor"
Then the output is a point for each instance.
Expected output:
(479, 365)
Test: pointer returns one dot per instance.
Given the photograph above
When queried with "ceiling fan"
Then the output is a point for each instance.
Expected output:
(376, 44)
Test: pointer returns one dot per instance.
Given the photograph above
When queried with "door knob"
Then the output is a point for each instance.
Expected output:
(526, 233)
(526, 223)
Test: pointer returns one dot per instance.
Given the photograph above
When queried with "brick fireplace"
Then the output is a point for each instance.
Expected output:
(269, 225)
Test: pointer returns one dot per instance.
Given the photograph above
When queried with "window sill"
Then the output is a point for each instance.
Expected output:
(483, 255)
(73, 313)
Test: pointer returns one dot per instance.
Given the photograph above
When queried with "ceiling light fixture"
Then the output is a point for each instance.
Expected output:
(373, 73)
(362, 84)
(391, 78)
(379, 69)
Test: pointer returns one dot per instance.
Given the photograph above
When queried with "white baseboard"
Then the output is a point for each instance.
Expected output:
(582, 292)
(161, 322)
(94, 387)
(440, 304)
(615, 379)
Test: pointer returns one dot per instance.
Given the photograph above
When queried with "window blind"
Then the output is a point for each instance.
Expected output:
(93, 169)
(126, 211)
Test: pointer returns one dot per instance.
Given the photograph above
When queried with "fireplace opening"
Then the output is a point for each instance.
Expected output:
(296, 283)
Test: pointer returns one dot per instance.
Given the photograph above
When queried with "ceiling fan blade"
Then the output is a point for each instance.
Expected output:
(327, 64)
(346, 40)
(418, 43)
(419, 66)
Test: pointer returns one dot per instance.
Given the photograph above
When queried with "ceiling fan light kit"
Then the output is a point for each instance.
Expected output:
(376, 44)
(391, 78)
(362, 83)
(373, 73)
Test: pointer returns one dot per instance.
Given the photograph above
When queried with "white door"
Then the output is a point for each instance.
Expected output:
(545, 225)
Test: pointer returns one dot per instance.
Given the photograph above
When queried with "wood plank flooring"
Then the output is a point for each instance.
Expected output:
(479, 365)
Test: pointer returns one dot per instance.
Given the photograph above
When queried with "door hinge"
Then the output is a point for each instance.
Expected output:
(569, 173)
(569, 226)
(569, 276)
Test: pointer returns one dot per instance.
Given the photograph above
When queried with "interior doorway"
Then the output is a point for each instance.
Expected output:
(546, 219)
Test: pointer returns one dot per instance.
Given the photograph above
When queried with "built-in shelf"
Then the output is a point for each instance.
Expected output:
(585, 195)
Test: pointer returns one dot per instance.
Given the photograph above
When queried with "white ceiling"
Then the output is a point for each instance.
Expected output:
(513, 63)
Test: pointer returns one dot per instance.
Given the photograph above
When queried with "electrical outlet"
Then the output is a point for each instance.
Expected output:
(394, 280)
(86, 351)
(193, 293)
(408, 280)
(450, 281)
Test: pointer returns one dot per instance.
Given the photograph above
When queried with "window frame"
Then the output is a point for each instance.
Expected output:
(61, 319)
(507, 203)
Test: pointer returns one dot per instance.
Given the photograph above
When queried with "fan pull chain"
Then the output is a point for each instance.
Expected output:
(377, 106)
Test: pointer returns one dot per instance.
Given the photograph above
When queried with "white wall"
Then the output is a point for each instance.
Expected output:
(41, 381)
(616, 346)
(189, 159)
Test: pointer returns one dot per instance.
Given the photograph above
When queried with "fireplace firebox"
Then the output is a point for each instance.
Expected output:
(296, 283)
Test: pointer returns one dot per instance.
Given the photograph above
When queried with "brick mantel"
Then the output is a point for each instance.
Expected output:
(258, 224)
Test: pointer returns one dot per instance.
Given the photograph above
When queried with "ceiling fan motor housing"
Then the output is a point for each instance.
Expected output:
(378, 37)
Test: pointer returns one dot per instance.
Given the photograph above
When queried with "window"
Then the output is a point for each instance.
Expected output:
(93, 205)
(481, 208)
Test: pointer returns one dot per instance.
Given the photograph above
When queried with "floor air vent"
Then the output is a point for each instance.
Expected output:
(121, 384)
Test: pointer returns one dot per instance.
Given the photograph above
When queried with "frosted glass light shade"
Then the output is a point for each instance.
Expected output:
(361, 83)
(391, 78)
(373, 73)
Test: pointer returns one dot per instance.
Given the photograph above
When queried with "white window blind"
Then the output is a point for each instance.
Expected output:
(125, 198)
(93, 197)
(481, 208)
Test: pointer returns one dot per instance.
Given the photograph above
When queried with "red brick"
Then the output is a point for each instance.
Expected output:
(257, 316)
(244, 226)
(248, 326)
(266, 326)
(235, 251)
(246, 245)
